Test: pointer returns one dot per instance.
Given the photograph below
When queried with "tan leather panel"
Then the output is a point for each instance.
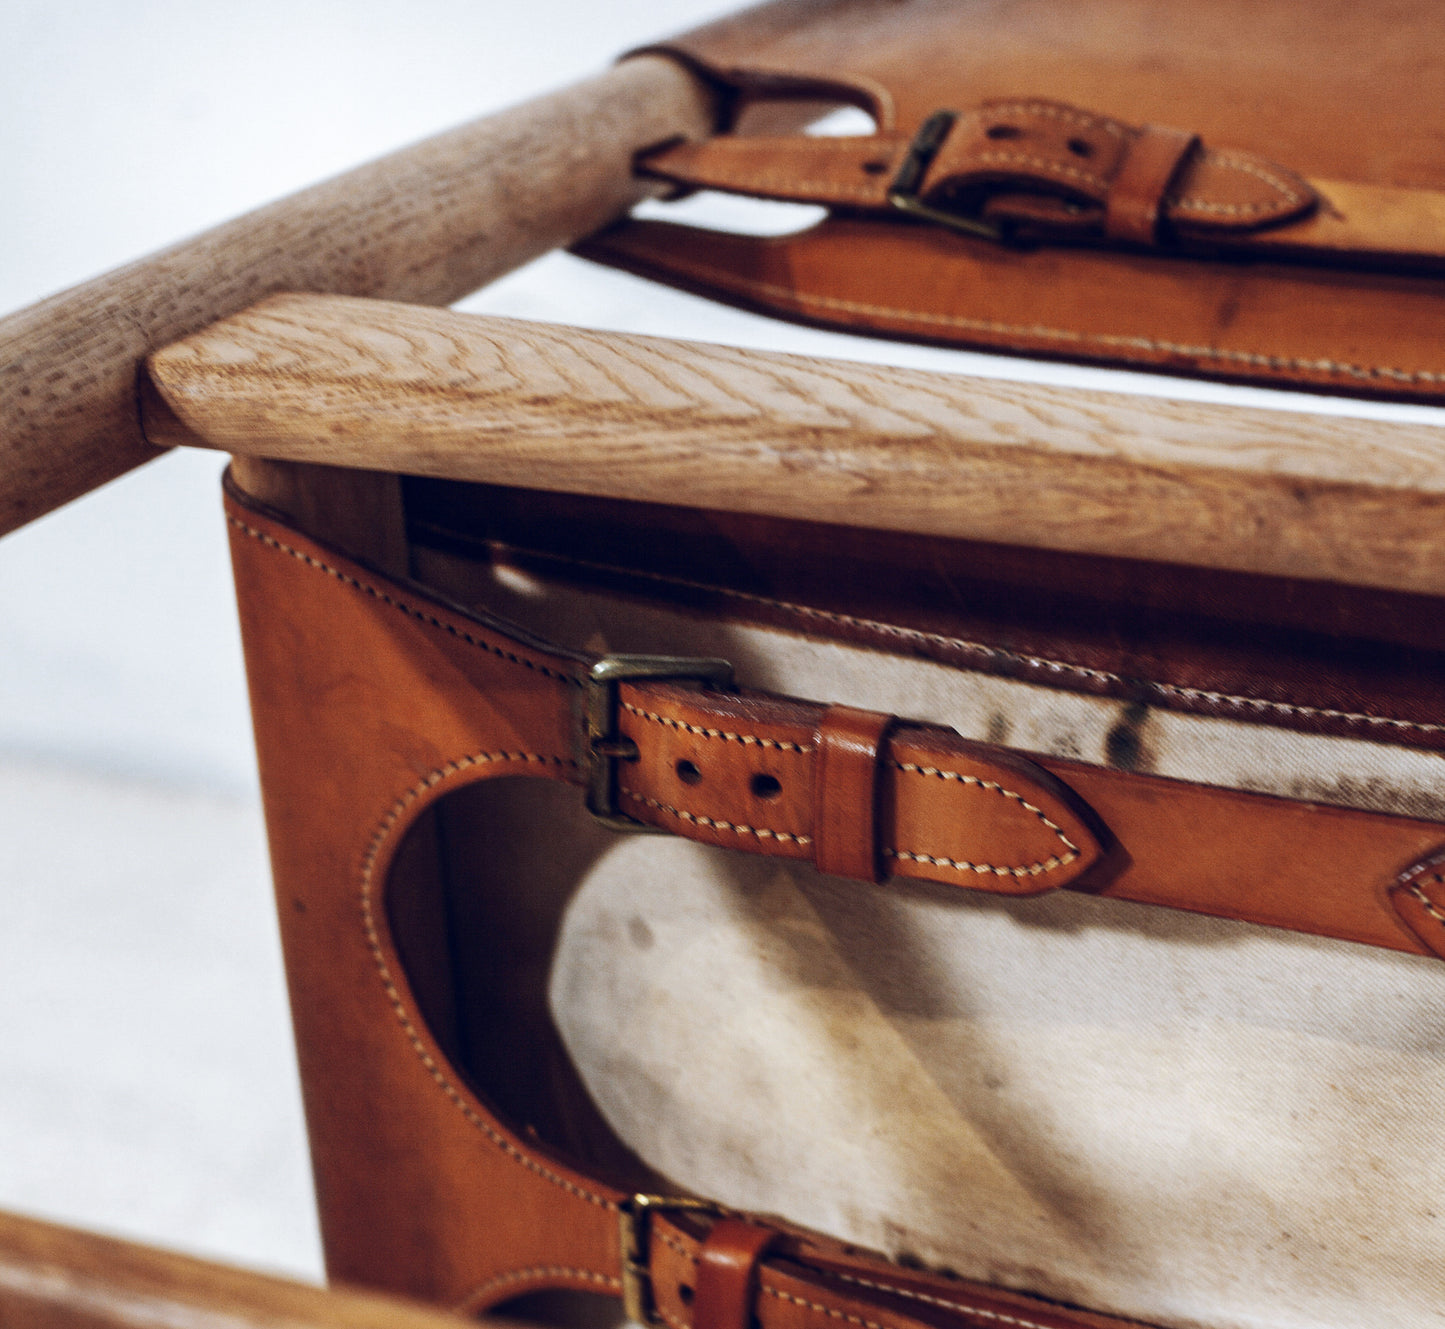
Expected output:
(1358, 333)
(1339, 97)
(372, 700)
(368, 700)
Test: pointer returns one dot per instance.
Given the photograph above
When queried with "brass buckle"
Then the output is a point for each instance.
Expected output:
(635, 1230)
(605, 746)
(903, 192)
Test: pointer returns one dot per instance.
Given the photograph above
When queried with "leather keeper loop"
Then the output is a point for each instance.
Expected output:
(1139, 187)
(727, 1265)
(845, 792)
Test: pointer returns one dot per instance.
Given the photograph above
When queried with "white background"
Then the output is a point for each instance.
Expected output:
(146, 1078)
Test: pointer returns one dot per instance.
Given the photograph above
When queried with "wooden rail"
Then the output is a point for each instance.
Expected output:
(59, 1278)
(428, 224)
(359, 383)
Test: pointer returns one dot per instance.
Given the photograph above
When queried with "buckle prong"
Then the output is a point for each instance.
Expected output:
(605, 746)
(635, 1232)
(903, 192)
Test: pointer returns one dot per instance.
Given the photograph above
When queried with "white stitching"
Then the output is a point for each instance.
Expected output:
(1043, 164)
(726, 735)
(1287, 708)
(911, 1295)
(373, 941)
(1032, 870)
(1112, 340)
(1032, 661)
(481, 1293)
(697, 819)
(791, 837)
(1291, 195)
(1052, 111)
(908, 1294)
(1429, 905)
(383, 833)
(888, 629)
(990, 869)
(388, 823)
(674, 1245)
(834, 1314)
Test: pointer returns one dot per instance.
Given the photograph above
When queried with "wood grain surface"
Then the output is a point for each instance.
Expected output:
(424, 392)
(428, 224)
(59, 1278)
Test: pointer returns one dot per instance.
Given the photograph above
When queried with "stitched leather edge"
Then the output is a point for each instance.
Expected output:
(393, 817)
(719, 280)
(1184, 694)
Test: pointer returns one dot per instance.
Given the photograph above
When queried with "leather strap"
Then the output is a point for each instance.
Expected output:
(1043, 170)
(749, 770)
(799, 1282)
(746, 770)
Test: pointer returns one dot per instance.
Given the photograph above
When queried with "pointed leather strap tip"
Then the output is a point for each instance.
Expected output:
(1418, 897)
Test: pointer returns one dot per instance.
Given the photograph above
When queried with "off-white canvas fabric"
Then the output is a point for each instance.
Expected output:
(1187, 1120)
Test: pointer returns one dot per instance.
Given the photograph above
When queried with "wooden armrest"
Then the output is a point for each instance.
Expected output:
(388, 387)
(60, 1278)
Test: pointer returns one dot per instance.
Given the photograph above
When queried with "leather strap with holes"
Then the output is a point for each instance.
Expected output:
(1042, 170)
(794, 779)
(873, 797)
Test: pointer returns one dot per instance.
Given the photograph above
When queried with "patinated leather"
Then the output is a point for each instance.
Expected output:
(1255, 192)
(373, 699)
(946, 809)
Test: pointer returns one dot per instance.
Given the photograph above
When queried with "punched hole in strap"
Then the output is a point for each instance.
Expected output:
(725, 1289)
(845, 792)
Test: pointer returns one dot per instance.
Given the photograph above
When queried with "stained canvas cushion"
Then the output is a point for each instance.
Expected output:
(1188, 1120)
